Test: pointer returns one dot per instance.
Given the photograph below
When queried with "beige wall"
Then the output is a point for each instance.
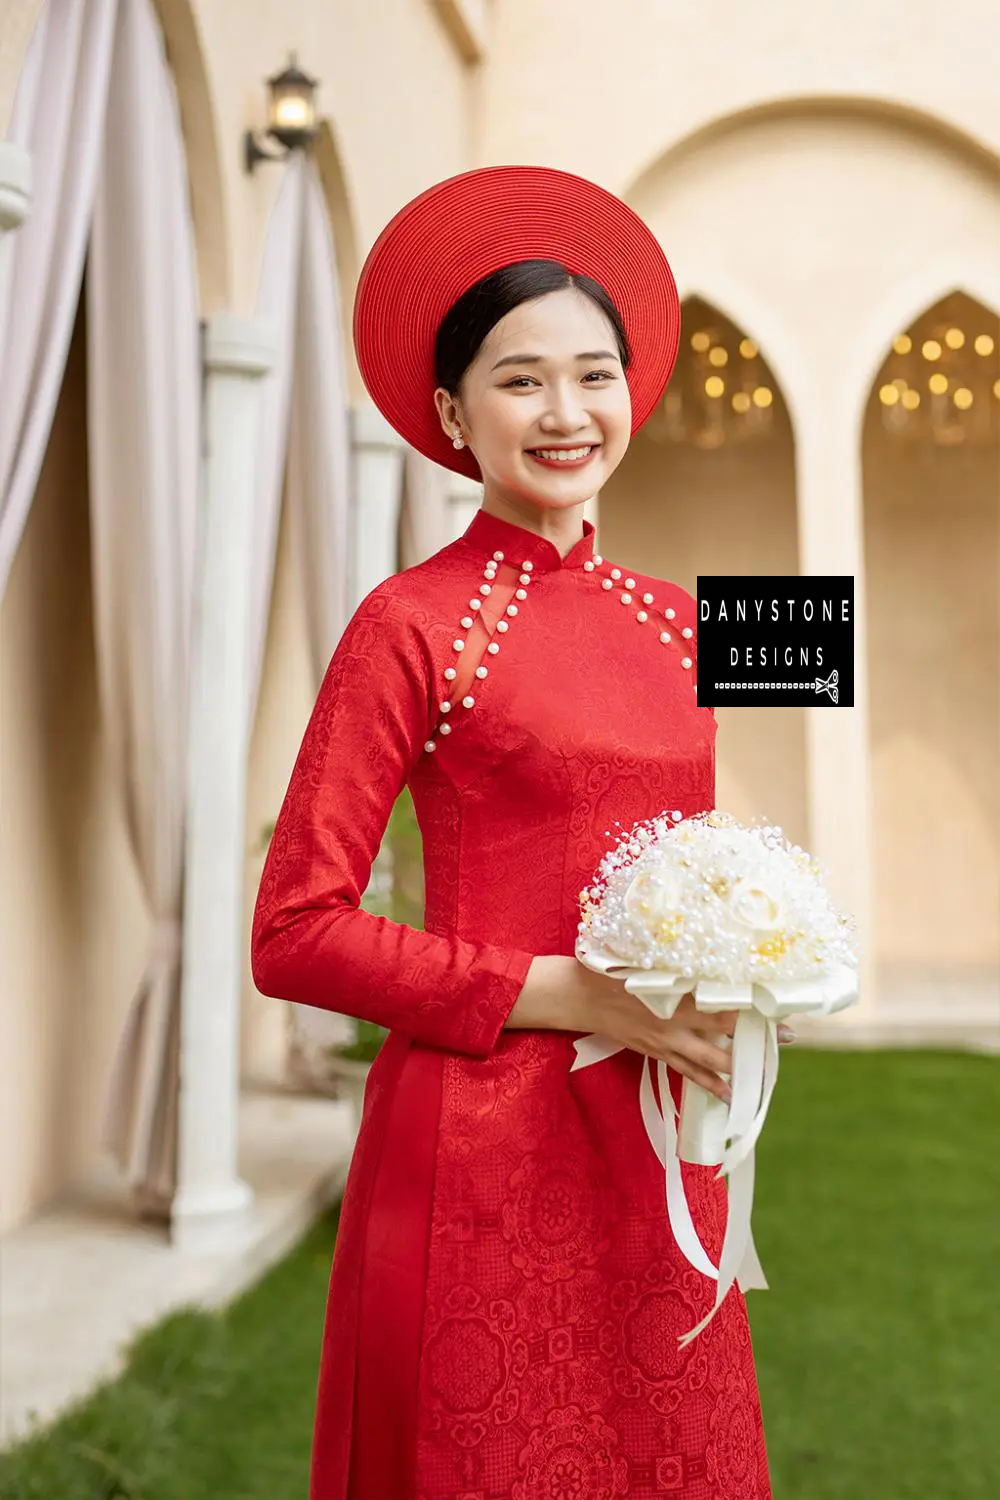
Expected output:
(820, 175)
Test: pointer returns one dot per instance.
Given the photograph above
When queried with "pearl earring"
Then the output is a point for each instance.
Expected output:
(458, 441)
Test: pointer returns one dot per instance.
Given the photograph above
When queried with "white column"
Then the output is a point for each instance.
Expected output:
(15, 185)
(830, 517)
(212, 1206)
(377, 495)
(465, 496)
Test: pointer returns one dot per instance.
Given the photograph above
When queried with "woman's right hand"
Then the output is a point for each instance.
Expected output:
(563, 994)
(686, 1043)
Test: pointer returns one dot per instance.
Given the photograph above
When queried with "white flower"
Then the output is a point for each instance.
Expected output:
(756, 906)
(653, 895)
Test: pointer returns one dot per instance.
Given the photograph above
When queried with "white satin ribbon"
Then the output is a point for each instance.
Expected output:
(709, 1129)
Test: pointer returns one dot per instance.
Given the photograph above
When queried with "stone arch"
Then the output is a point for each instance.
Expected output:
(911, 290)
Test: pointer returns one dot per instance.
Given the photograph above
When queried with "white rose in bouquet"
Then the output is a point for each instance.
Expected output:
(738, 917)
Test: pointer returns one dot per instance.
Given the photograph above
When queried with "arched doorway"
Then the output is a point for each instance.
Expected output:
(931, 460)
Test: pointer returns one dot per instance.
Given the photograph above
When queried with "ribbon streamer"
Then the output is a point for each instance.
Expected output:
(702, 1126)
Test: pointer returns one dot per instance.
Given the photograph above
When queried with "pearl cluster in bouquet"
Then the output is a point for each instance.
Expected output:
(718, 899)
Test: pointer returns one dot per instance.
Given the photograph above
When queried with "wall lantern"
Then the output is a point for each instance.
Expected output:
(291, 115)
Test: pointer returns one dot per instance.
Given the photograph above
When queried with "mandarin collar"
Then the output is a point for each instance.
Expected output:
(488, 533)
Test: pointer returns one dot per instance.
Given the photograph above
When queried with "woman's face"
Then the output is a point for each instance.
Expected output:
(547, 380)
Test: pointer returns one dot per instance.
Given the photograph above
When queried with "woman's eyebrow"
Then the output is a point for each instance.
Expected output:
(538, 359)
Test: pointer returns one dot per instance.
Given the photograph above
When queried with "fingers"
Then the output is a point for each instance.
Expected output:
(704, 1076)
(722, 1022)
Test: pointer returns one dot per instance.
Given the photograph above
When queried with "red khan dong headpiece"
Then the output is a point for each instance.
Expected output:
(462, 229)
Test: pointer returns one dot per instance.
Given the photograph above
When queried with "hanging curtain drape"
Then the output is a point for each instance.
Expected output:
(304, 455)
(319, 437)
(304, 447)
(59, 116)
(144, 380)
(276, 303)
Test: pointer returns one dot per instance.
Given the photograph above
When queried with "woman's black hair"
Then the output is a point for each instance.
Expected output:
(467, 322)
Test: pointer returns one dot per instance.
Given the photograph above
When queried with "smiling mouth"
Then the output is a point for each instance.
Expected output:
(575, 455)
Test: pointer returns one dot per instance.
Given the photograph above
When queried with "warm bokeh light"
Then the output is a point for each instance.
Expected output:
(700, 342)
(902, 343)
(938, 384)
(762, 397)
(931, 349)
(748, 349)
(718, 356)
(984, 344)
(954, 338)
(715, 387)
(888, 395)
(911, 399)
(741, 402)
(963, 398)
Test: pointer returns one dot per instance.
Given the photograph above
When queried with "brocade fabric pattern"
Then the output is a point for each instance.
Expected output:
(505, 1292)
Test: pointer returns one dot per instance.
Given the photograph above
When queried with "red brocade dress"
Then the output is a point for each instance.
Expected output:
(506, 1293)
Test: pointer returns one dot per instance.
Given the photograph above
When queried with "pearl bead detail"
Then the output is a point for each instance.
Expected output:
(510, 611)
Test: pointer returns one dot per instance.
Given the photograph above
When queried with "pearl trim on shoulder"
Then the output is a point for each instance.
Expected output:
(643, 615)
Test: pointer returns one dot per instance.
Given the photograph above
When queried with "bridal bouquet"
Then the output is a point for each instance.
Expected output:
(740, 919)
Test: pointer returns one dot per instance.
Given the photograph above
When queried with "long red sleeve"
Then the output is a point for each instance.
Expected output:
(311, 941)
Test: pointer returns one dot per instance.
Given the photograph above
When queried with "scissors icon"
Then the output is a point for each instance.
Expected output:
(829, 686)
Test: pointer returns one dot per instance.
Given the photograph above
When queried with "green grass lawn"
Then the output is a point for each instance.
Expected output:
(878, 1222)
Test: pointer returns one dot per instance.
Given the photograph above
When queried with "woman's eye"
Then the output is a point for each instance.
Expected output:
(519, 380)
